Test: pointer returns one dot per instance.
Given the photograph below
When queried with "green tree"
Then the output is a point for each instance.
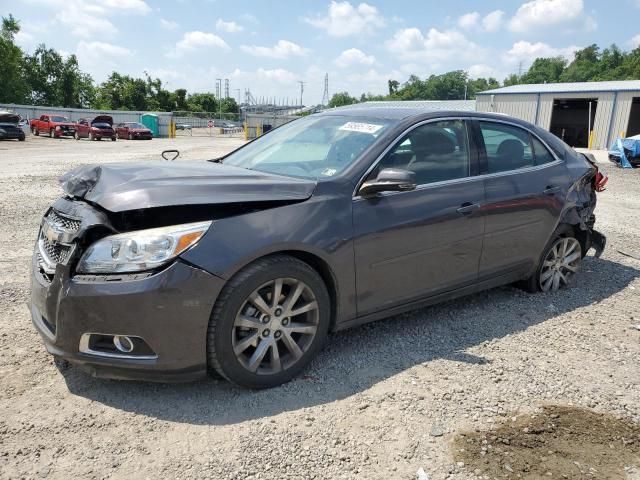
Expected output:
(545, 70)
(13, 87)
(393, 87)
(202, 102)
(584, 67)
(342, 98)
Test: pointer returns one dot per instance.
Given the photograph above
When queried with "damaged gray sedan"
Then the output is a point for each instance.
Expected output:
(243, 265)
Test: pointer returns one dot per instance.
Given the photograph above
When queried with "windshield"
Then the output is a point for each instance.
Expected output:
(59, 119)
(310, 147)
(134, 125)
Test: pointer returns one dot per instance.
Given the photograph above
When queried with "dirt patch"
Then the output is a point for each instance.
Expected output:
(555, 442)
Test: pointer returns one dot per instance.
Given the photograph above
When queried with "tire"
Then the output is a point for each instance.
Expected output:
(21, 139)
(91, 137)
(117, 135)
(558, 263)
(130, 137)
(113, 139)
(76, 135)
(52, 133)
(35, 131)
(258, 353)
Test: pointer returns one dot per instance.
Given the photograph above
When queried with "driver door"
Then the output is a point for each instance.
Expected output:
(410, 245)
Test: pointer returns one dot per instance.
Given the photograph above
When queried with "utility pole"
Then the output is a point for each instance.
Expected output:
(226, 88)
(219, 93)
(301, 90)
(325, 95)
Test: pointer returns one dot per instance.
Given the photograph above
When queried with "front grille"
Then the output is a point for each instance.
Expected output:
(56, 241)
(67, 223)
(56, 252)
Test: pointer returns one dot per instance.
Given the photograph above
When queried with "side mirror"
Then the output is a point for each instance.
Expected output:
(389, 180)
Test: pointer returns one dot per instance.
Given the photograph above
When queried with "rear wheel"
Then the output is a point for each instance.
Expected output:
(113, 139)
(91, 137)
(559, 263)
(76, 136)
(130, 137)
(35, 131)
(270, 320)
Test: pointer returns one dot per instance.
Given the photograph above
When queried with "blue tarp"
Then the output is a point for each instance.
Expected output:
(632, 147)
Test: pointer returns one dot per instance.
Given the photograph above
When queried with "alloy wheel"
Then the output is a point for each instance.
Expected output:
(560, 264)
(275, 326)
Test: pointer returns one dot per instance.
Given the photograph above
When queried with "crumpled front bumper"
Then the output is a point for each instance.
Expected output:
(170, 310)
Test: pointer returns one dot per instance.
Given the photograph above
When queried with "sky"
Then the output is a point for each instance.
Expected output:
(268, 46)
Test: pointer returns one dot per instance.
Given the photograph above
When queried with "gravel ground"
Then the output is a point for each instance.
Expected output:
(381, 401)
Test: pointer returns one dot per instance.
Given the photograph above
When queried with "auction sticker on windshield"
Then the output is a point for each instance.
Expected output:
(360, 127)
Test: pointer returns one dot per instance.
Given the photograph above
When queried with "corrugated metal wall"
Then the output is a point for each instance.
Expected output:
(621, 114)
(609, 121)
(519, 106)
(29, 111)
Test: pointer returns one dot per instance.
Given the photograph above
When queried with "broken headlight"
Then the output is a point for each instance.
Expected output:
(140, 250)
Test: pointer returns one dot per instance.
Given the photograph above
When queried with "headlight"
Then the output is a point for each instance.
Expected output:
(140, 250)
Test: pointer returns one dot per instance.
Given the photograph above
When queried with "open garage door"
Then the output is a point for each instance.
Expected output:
(570, 120)
(634, 118)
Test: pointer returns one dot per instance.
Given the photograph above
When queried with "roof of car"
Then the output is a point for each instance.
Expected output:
(395, 110)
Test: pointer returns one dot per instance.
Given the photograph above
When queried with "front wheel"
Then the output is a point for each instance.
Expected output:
(113, 139)
(35, 131)
(130, 137)
(52, 133)
(270, 320)
(76, 136)
(559, 263)
(91, 137)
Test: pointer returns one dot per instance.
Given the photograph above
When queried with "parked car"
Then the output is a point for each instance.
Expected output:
(95, 128)
(183, 126)
(133, 131)
(242, 265)
(55, 126)
(10, 128)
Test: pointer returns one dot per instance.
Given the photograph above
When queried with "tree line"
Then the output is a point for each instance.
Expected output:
(589, 64)
(47, 78)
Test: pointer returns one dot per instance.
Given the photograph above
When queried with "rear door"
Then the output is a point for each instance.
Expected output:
(43, 124)
(525, 187)
(410, 245)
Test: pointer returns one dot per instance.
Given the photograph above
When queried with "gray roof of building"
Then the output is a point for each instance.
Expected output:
(422, 105)
(575, 87)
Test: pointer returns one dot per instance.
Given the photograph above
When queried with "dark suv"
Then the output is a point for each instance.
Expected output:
(243, 264)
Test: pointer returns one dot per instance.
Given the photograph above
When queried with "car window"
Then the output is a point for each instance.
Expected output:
(436, 152)
(507, 147)
(541, 153)
(317, 146)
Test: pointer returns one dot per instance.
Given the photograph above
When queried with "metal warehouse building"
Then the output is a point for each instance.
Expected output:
(572, 110)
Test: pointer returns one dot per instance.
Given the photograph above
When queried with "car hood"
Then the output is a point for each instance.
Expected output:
(102, 119)
(9, 119)
(120, 187)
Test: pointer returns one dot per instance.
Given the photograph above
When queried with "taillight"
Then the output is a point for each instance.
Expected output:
(599, 181)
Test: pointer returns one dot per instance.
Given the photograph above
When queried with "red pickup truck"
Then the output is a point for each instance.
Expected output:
(55, 126)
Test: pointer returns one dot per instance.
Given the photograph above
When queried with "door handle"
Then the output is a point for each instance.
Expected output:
(550, 190)
(467, 208)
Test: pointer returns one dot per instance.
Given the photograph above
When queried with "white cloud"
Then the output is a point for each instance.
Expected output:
(527, 52)
(89, 18)
(493, 21)
(282, 49)
(195, 40)
(481, 70)
(229, 27)
(131, 6)
(103, 49)
(354, 56)
(545, 14)
(83, 24)
(635, 41)
(441, 47)
(468, 20)
(278, 75)
(168, 24)
(343, 19)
